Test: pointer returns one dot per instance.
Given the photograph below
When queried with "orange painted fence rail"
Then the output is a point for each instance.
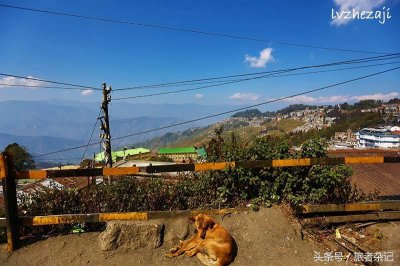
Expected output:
(115, 216)
(40, 174)
(8, 177)
(197, 167)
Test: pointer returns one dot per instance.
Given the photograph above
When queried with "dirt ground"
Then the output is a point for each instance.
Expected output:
(267, 237)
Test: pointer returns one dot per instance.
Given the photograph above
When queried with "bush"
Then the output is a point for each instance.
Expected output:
(214, 189)
(228, 188)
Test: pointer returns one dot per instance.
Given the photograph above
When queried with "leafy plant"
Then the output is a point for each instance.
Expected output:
(231, 187)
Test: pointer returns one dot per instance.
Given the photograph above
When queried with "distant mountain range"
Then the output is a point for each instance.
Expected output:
(40, 144)
(46, 126)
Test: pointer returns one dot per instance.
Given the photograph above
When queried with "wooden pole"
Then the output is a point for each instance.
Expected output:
(352, 218)
(349, 207)
(10, 201)
(105, 126)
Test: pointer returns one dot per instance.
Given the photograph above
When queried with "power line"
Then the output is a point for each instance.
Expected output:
(259, 104)
(91, 135)
(172, 85)
(41, 87)
(187, 30)
(231, 111)
(247, 79)
(49, 81)
(359, 60)
(191, 89)
(187, 82)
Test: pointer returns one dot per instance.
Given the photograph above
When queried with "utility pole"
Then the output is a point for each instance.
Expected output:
(105, 136)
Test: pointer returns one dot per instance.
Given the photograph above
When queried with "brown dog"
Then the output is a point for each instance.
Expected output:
(212, 243)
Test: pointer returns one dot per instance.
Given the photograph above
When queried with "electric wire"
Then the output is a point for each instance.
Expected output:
(242, 80)
(230, 111)
(189, 82)
(187, 30)
(352, 61)
(49, 81)
(91, 135)
(259, 104)
(41, 87)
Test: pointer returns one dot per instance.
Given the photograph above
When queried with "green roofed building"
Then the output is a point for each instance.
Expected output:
(182, 154)
(123, 154)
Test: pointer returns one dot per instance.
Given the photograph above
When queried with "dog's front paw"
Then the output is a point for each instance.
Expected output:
(191, 253)
(174, 249)
(169, 255)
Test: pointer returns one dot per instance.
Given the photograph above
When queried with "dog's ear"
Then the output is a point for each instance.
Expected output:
(192, 219)
(210, 223)
(203, 233)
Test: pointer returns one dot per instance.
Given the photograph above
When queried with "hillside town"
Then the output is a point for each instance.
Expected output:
(381, 136)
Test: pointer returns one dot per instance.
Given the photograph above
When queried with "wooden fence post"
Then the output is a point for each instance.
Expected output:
(10, 200)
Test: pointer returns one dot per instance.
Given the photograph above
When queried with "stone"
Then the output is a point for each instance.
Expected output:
(178, 229)
(298, 230)
(131, 235)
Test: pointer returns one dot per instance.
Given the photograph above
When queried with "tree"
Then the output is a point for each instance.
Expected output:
(249, 113)
(214, 149)
(393, 101)
(22, 158)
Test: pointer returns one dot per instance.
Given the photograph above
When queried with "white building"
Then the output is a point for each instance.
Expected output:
(378, 138)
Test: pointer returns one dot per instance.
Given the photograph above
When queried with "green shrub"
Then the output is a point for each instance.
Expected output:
(213, 189)
(231, 187)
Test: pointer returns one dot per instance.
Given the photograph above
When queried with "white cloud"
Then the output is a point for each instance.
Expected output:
(341, 98)
(86, 92)
(245, 96)
(357, 5)
(19, 81)
(198, 96)
(260, 62)
(302, 99)
(377, 96)
(334, 99)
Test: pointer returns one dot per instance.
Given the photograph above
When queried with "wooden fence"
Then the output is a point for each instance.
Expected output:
(197, 167)
(13, 221)
(324, 214)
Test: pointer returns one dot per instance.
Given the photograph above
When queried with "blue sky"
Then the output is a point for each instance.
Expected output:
(90, 52)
